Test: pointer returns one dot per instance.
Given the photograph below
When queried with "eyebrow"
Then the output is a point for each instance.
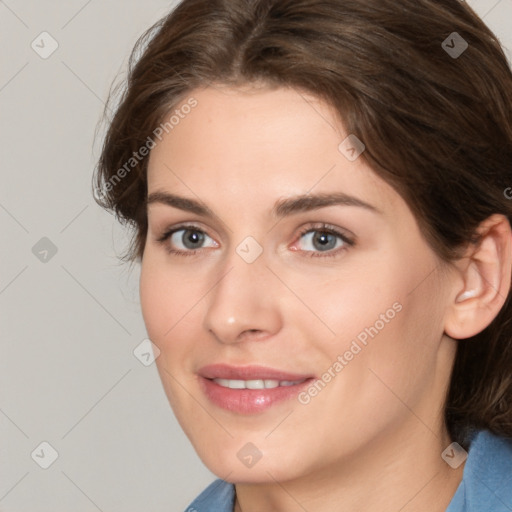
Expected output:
(282, 207)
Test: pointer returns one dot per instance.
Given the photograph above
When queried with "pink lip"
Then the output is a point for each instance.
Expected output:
(248, 401)
(225, 371)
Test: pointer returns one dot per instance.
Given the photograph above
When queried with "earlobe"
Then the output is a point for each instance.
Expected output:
(486, 273)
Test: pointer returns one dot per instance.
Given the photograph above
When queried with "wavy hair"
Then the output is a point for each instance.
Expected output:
(435, 116)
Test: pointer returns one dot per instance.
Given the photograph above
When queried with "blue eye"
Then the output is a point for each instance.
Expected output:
(324, 239)
(187, 239)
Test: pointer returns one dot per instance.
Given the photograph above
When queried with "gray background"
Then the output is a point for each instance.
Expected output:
(69, 324)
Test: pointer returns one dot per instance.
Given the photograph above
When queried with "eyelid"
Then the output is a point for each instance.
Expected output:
(329, 228)
(170, 229)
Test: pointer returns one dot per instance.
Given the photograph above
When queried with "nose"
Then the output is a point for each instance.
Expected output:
(244, 304)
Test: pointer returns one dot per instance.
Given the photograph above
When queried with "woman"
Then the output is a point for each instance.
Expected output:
(319, 195)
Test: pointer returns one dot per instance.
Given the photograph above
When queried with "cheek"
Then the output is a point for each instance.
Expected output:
(360, 302)
(385, 325)
(166, 298)
(167, 305)
(155, 302)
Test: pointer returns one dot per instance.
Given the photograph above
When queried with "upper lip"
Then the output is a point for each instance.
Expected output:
(225, 371)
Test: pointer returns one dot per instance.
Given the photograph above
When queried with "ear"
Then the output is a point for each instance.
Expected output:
(483, 281)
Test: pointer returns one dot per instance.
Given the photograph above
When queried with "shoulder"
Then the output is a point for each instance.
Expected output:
(219, 496)
(487, 480)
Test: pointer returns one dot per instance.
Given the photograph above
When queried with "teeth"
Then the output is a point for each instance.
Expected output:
(288, 383)
(255, 384)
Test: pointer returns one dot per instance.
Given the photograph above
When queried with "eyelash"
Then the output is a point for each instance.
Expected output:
(322, 228)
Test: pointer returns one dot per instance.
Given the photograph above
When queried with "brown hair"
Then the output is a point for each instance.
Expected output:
(437, 126)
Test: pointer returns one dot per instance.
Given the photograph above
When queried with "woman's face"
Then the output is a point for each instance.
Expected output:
(298, 271)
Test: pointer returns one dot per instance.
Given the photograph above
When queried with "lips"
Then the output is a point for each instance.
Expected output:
(249, 389)
(224, 371)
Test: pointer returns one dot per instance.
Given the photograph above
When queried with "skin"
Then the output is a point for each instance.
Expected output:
(372, 438)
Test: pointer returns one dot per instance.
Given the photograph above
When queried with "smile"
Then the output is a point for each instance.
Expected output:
(249, 389)
(256, 384)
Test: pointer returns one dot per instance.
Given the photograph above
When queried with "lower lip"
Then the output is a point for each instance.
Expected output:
(249, 401)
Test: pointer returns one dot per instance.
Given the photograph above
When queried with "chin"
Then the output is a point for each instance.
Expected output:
(242, 462)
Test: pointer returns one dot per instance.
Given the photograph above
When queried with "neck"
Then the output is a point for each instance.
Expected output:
(399, 472)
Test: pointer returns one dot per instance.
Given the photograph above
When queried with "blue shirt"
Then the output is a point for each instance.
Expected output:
(486, 484)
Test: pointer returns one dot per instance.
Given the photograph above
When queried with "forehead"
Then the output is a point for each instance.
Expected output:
(258, 143)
